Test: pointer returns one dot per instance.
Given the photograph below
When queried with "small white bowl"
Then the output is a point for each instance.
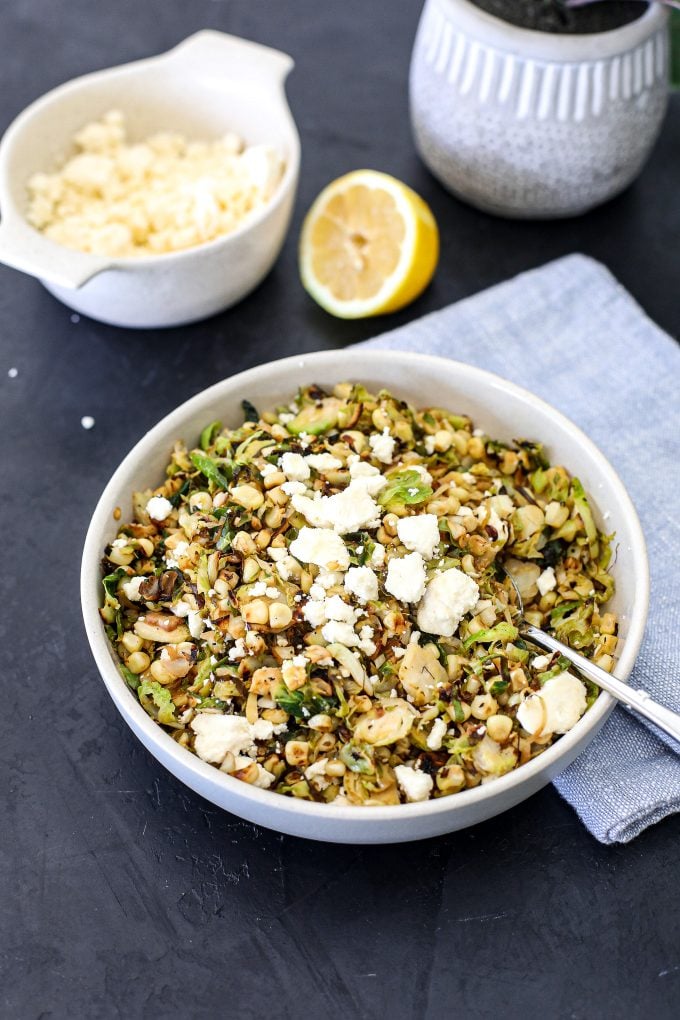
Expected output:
(505, 411)
(210, 84)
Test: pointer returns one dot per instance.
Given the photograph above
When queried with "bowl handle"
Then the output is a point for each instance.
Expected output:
(22, 247)
(227, 54)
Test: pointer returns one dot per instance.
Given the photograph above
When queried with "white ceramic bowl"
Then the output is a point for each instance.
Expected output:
(210, 84)
(505, 411)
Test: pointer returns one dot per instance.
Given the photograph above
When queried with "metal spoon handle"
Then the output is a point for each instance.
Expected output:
(640, 701)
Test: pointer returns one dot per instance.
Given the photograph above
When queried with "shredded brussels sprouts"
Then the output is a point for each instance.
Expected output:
(325, 609)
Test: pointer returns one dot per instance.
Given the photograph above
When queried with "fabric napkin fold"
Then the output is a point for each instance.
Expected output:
(573, 335)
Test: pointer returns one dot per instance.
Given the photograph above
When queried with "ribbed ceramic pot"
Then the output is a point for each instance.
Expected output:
(534, 124)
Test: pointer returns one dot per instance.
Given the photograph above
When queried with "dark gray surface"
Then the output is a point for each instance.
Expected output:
(124, 894)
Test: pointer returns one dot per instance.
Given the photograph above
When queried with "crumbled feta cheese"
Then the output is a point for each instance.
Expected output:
(131, 588)
(158, 508)
(336, 609)
(320, 546)
(346, 511)
(268, 469)
(382, 444)
(541, 662)
(262, 729)
(377, 556)
(277, 553)
(323, 461)
(258, 589)
(428, 443)
(359, 468)
(161, 194)
(314, 613)
(362, 583)
(398, 652)
(546, 581)
(286, 566)
(329, 578)
(313, 510)
(436, 735)
(366, 642)
(293, 488)
(217, 735)
(406, 577)
(294, 467)
(317, 592)
(238, 650)
(284, 418)
(342, 633)
(448, 597)
(364, 474)
(174, 555)
(317, 774)
(195, 622)
(304, 439)
(289, 665)
(420, 534)
(414, 785)
(465, 511)
(180, 609)
(264, 779)
(562, 702)
(272, 593)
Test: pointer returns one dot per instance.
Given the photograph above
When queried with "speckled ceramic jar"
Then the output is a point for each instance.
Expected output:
(531, 124)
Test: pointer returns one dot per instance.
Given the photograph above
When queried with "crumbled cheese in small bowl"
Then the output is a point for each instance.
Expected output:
(176, 224)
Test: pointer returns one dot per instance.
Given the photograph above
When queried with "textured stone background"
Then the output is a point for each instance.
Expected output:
(124, 894)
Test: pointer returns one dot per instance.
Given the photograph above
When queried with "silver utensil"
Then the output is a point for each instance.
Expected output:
(640, 701)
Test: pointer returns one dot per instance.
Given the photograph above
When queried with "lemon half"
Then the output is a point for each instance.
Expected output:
(369, 245)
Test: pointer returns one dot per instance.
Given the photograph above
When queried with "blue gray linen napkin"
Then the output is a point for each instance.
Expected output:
(570, 333)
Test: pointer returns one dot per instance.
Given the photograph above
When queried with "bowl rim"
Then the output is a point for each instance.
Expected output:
(206, 775)
(16, 217)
